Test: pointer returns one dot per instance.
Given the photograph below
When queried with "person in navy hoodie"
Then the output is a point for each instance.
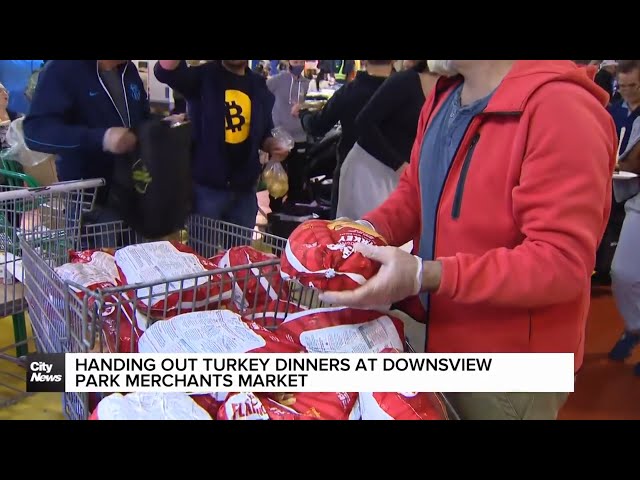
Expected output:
(230, 108)
(84, 111)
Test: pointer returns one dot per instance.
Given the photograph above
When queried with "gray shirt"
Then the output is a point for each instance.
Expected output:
(440, 144)
(288, 90)
(112, 80)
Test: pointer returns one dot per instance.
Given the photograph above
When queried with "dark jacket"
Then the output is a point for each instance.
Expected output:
(343, 107)
(205, 95)
(71, 111)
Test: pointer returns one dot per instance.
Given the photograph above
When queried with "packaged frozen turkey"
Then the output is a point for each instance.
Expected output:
(90, 269)
(159, 262)
(343, 330)
(255, 286)
(149, 406)
(321, 405)
(320, 254)
(213, 331)
(401, 406)
(272, 314)
(242, 406)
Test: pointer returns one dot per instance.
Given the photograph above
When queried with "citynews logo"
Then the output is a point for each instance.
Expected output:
(45, 372)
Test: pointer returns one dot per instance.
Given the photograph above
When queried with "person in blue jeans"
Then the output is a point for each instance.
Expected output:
(230, 109)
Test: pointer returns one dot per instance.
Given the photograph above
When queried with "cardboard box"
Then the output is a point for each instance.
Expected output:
(44, 173)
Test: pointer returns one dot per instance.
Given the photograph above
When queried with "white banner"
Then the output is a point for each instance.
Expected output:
(279, 372)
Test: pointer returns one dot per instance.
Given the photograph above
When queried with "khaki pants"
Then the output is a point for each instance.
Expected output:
(507, 406)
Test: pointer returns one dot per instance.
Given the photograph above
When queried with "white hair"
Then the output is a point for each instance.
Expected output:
(442, 67)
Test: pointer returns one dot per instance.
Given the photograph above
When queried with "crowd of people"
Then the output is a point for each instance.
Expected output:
(501, 173)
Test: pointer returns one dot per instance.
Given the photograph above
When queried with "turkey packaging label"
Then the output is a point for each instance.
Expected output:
(320, 254)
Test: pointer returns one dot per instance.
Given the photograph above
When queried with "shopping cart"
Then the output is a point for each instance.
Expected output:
(40, 212)
(94, 320)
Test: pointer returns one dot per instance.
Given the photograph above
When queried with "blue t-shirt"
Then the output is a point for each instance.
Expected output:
(439, 146)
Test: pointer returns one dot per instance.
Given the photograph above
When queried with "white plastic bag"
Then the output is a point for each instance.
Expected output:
(283, 137)
(18, 150)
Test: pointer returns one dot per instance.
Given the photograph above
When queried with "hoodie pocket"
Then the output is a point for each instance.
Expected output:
(457, 200)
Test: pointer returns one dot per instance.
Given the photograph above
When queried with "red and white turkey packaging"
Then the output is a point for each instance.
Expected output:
(212, 331)
(242, 406)
(319, 254)
(261, 406)
(95, 270)
(401, 405)
(92, 269)
(343, 330)
(273, 314)
(253, 287)
(149, 406)
(119, 327)
(319, 406)
(155, 262)
(210, 402)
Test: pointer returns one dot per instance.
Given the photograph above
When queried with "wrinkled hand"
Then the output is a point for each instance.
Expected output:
(399, 277)
(275, 149)
(119, 140)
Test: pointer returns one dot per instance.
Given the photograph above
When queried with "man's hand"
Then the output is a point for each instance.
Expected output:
(169, 64)
(119, 140)
(175, 118)
(275, 149)
(295, 110)
(401, 275)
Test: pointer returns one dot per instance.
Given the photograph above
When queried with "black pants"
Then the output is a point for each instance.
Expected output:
(296, 167)
(335, 187)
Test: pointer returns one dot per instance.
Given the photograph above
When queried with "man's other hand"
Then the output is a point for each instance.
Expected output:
(400, 276)
(119, 140)
(275, 149)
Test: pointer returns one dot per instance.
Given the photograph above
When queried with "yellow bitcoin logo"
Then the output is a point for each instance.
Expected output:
(237, 117)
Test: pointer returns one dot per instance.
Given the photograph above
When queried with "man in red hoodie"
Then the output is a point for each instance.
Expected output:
(506, 197)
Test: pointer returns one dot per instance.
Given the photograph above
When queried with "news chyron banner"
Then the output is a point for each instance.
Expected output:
(309, 372)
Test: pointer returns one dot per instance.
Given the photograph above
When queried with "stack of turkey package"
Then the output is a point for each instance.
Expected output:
(229, 312)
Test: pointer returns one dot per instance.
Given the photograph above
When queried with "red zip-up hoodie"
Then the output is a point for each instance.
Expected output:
(523, 209)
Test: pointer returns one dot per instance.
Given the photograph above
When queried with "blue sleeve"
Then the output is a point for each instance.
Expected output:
(184, 79)
(46, 128)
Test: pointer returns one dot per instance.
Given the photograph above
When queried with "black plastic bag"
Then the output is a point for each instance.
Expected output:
(152, 190)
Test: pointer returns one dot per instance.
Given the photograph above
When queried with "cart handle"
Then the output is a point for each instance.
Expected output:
(56, 187)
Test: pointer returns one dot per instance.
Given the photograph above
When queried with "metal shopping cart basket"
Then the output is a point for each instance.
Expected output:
(93, 319)
(25, 207)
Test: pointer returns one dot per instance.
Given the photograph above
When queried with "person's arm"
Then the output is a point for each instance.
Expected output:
(269, 144)
(272, 83)
(398, 218)
(561, 205)
(389, 100)
(179, 76)
(45, 126)
(319, 122)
